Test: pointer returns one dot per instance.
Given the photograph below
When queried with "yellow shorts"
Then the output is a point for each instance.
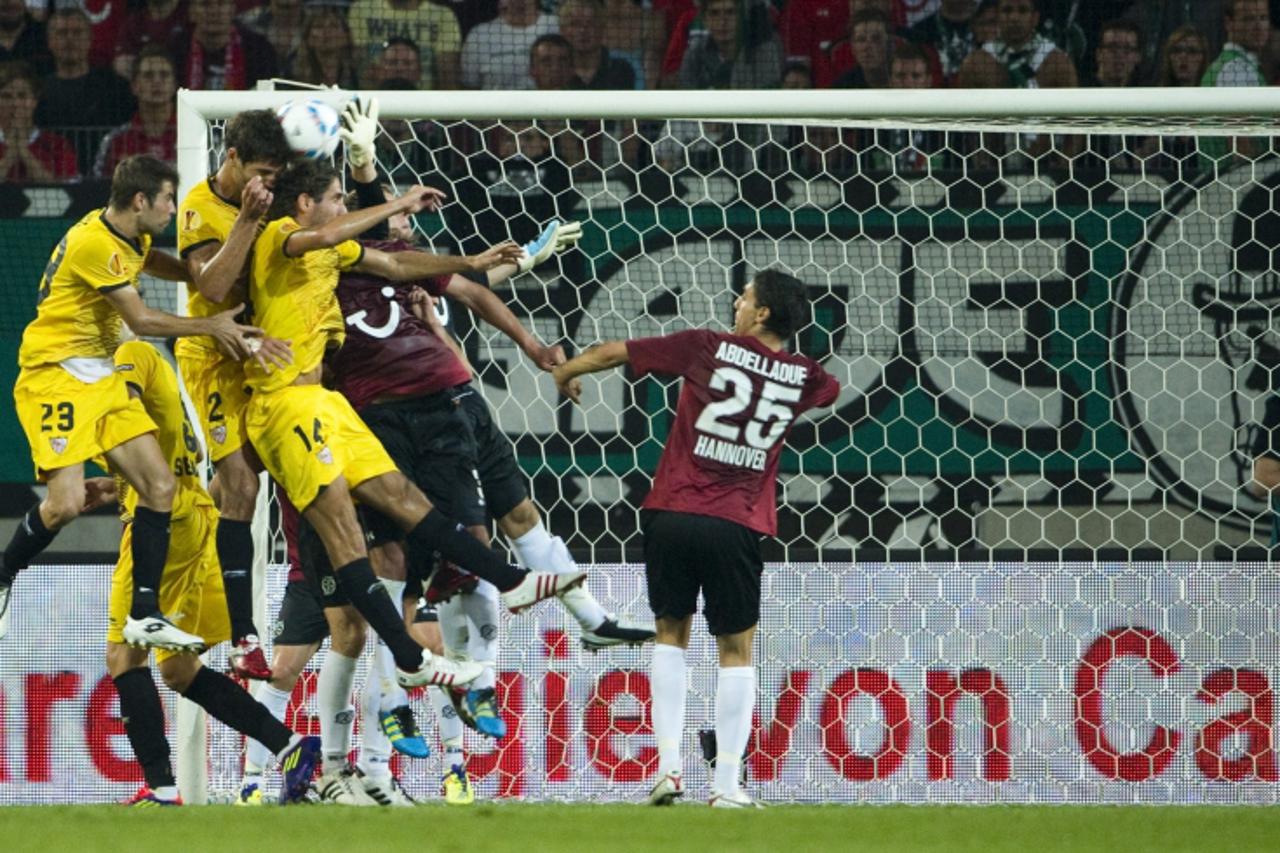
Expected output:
(217, 390)
(69, 422)
(191, 592)
(307, 437)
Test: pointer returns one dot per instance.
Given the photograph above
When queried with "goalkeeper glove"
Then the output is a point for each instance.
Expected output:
(359, 127)
(553, 240)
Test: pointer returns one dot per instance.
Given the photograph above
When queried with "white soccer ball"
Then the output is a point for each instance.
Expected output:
(310, 126)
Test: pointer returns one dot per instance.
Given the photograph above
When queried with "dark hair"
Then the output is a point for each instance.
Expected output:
(151, 51)
(1120, 25)
(141, 173)
(908, 52)
(550, 38)
(257, 138)
(402, 41)
(306, 177)
(870, 16)
(18, 70)
(787, 300)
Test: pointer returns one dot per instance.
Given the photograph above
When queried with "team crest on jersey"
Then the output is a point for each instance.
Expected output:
(58, 443)
(325, 455)
(219, 434)
(191, 220)
(115, 266)
(328, 585)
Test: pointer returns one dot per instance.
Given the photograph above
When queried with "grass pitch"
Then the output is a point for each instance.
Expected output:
(604, 829)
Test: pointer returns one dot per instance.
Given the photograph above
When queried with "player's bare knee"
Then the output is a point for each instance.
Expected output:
(346, 631)
(239, 486)
(59, 510)
(520, 520)
(735, 649)
(156, 489)
(121, 658)
(179, 671)
(388, 561)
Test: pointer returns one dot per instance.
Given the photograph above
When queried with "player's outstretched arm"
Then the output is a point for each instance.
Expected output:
(494, 311)
(145, 321)
(166, 266)
(214, 268)
(409, 266)
(597, 358)
(348, 226)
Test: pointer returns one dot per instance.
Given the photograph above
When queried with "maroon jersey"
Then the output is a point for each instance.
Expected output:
(289, 527)
(389, 351)
(737, 403)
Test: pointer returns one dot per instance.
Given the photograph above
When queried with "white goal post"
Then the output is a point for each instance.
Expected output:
(1042, 355)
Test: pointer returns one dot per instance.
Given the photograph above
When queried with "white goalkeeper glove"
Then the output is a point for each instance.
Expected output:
(553, 240)
(359, 127)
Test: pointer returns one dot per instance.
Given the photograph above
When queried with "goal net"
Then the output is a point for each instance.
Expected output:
(1051, 314)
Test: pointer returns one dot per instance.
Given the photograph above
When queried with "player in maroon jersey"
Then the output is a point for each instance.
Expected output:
(713, 497)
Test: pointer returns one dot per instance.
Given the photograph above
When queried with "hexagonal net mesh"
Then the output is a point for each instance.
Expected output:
(1054, 344)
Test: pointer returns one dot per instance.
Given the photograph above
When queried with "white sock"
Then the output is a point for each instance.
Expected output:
(539, 550)
(375, 748)
(166, 792)
(450, 727)
(453, 625)
(669, 685)
(257, 756)
(735, 700)
(390, 693)
(481, 609)
(333, 704)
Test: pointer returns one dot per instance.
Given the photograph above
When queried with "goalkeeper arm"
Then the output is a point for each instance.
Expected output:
(597, 358)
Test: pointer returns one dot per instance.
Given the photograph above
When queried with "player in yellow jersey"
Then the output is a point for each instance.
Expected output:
(72, 405)
(313, 442)
(218, 221)
(192, 590)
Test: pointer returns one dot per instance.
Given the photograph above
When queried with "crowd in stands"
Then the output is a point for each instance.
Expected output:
(84, 83)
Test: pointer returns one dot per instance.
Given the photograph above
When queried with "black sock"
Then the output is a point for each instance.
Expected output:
(235, 553)
(29, 539)
(227, 701)
(369, 597)
(143, 718)
(438, 532)
(150, 550)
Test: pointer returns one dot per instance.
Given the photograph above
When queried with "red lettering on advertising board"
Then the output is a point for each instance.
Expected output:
(601, 725)
(942, 691)
(1254, 722)
(835, 740)
(768, 747)
(42, 693)
(555, 692)
(1152, 760)
(507, 758)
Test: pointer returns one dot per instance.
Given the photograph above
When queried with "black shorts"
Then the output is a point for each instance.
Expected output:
(316, 567)
(424, 612)
(686, 553)
(430, 441)
(301, 621)
(504, 484)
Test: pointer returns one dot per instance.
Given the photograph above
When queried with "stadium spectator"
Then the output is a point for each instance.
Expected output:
(1183, 58)
(1158, 21)
(594, 65)
(985, 23)
(739, 49)
(1247, 24)
(496, 53)
(861, 62)
(78, 95)
(677, 17)
(1118, 56)
(153, 129)
(633, 32)
(325, 58)
(471, 12)
(279, 22)
(906, 151)
(22, 37)
(222, 53)
(28, 155)
(107, 18)
(1021, 58)
(948, 31)
(434, 29)
(162, 22)
(551, 64)
(399, 59)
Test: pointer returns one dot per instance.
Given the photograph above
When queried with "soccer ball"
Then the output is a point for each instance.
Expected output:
(311, 127)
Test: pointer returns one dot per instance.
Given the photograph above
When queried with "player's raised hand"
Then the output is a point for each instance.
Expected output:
(420, 198)
(359, 129)
(567, 384)
(495, 256)
(255, 200)
(555, 238)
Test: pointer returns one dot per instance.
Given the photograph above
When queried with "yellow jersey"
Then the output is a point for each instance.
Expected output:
(204, 217)
(145, 370)
(294, 299)
(73, 318)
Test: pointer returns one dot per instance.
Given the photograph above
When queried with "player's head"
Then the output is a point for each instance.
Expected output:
(309, 191)
(256, 147)
(773, 302)
(147, 187)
